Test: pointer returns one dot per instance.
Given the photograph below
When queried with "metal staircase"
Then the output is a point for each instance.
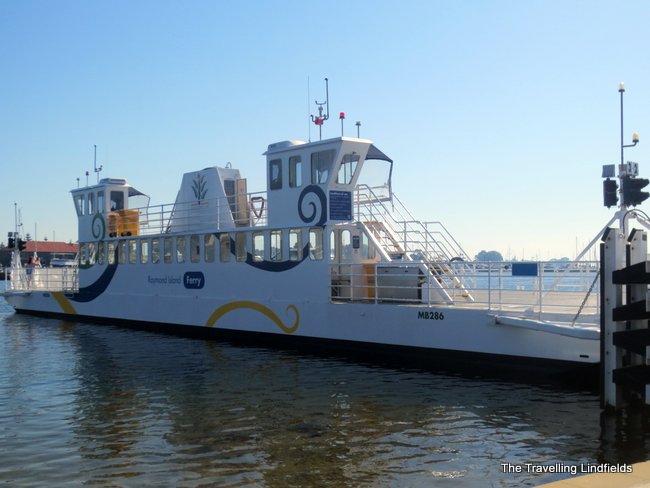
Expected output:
(386, 239)
(404, 238)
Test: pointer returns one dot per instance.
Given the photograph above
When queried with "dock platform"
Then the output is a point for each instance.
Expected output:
(638, 477)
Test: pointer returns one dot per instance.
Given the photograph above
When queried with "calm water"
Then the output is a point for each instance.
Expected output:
(106, 406)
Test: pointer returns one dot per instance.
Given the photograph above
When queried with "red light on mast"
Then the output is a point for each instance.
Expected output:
(342, 115)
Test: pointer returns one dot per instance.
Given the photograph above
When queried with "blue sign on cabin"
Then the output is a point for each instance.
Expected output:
(340, 205)
(525, 269)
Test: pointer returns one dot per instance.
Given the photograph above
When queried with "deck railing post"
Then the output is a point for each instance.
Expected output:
(376, 285)
(540, 280)
(489, 287)
(500, 287)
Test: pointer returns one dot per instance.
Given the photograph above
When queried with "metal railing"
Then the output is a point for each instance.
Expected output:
(568, 291)
(245, 210)
(405, 238)
(43, 279)
(412, 237)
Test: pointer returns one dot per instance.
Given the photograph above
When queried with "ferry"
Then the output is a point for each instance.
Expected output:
(319, 258)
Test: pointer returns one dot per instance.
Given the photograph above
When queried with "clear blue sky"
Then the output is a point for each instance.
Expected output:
(499, 115)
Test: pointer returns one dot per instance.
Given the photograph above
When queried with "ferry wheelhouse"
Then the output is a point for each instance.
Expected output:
(319, 257)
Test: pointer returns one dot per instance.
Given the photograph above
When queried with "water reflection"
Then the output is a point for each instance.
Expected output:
(124, 408)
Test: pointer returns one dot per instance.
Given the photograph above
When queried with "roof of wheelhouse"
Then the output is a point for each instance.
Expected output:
(283, 146)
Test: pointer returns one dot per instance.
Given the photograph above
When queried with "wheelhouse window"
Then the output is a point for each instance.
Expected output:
(321, 163)
(79, 204)
(91, 204)
(347, 169)
(117, 201)
(295, 172)
(275, 174)
(100, 201)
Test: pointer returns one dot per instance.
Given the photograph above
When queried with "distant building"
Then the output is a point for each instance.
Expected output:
(46, 250)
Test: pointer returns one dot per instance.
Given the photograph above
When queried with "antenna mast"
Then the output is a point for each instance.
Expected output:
(320, 118)
(97, 170)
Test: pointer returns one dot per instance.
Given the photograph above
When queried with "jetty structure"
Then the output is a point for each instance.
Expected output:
(625, 276)
(604, 475)
(317, 258)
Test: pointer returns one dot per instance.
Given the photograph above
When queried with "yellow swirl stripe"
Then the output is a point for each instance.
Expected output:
(64, 303)
(229, 307)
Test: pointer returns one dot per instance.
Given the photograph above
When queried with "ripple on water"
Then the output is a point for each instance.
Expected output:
(100, 405)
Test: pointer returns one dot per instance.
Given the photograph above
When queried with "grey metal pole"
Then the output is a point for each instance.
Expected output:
(621, 90)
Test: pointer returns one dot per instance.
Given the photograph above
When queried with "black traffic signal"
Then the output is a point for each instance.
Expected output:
(631, 189)
(21, 244)
(610, 193)
(11, 243)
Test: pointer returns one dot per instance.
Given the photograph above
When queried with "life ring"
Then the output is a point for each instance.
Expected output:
(258, 212)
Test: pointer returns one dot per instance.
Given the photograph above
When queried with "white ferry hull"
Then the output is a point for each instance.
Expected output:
(318, 258)
(138, 294)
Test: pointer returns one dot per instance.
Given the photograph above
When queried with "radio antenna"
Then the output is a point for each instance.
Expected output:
(320, 118)
(97, 170)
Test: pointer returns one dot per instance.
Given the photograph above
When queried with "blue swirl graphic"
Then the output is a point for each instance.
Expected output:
(98, 227)
(320, 194)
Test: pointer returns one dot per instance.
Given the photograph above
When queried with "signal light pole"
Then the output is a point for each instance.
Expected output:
(630, 186)
(625, 277)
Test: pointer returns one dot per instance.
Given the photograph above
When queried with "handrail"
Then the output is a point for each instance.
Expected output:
(541, 297)
(412, 238)
(162, 218)
(46, 279)
(413, 235)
